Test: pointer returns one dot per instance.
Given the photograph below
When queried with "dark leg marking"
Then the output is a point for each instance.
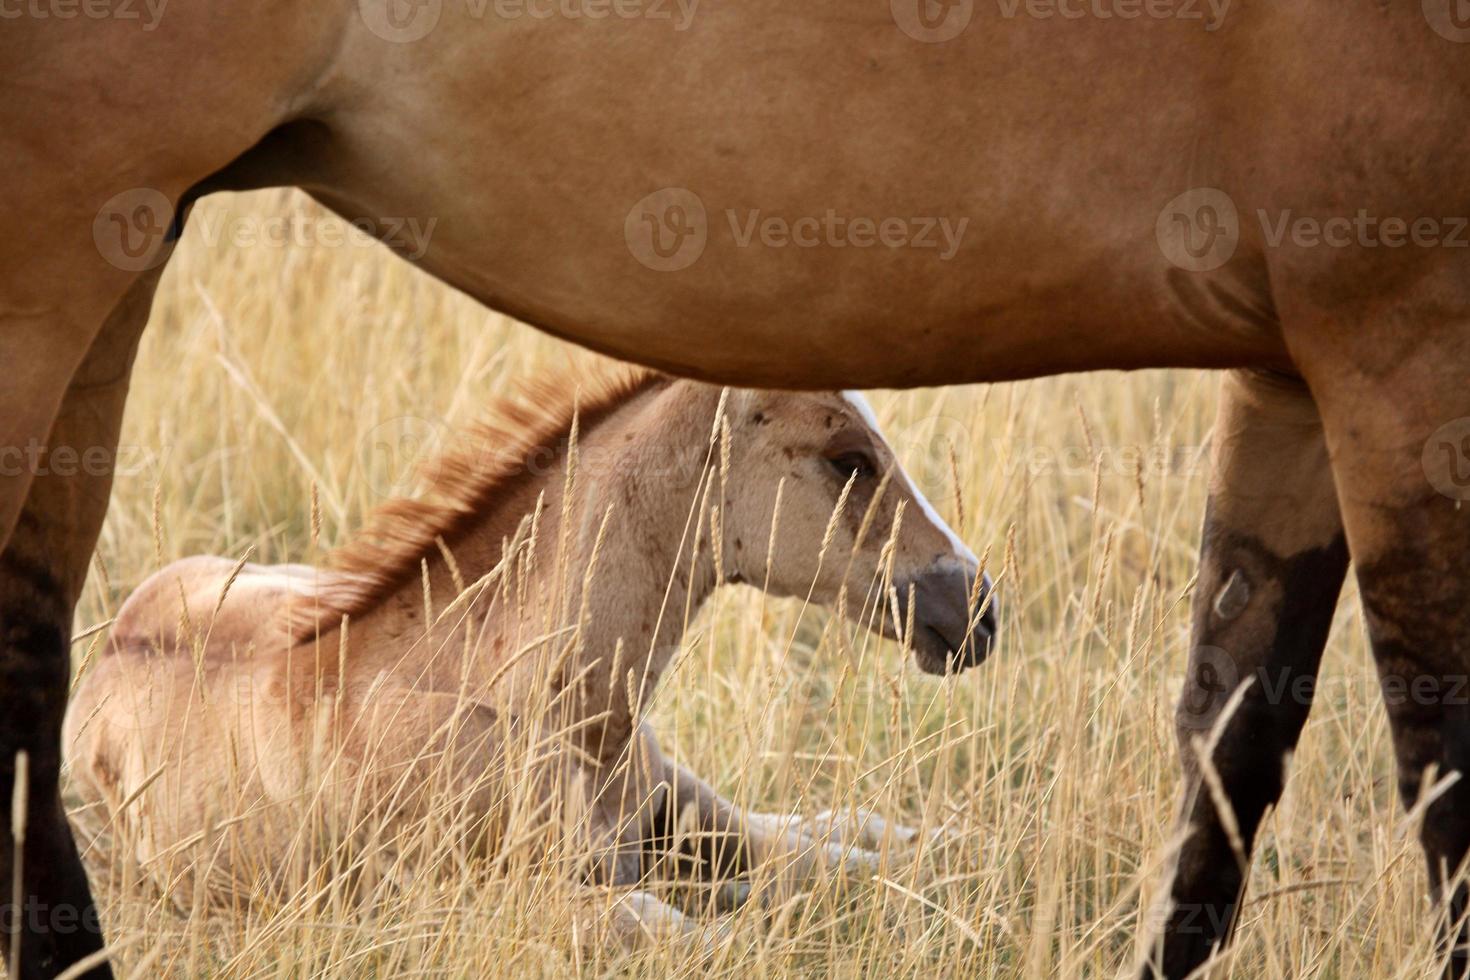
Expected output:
(55, 920)
(1260, 619)
(1413, 604)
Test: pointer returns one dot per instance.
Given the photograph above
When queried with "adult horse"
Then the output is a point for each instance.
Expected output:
(757, 192)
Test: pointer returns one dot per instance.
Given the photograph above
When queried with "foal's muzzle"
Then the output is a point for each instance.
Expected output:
(949, 634)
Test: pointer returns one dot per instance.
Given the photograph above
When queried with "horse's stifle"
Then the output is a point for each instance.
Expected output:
(502, 637)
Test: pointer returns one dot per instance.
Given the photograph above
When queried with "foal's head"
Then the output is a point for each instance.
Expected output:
(824, 450)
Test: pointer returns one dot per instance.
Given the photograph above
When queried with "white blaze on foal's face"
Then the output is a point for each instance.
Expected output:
(959, 549)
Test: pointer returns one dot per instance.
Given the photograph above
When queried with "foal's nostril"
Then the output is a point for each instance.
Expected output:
(953, 632)
(985, 597)
(989, 621)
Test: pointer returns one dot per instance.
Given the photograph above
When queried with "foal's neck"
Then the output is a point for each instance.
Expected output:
(595, 577)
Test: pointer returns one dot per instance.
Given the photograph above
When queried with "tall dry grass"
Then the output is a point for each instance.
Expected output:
(272, 372)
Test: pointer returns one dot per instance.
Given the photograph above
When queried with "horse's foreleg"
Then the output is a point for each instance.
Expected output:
(42, 569)
(1272, 564)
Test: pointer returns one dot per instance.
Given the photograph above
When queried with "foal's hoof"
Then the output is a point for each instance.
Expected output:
(642, 920)
(710, 939)
(866, 829)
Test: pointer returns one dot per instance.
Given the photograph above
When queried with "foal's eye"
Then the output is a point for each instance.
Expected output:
(850, 465)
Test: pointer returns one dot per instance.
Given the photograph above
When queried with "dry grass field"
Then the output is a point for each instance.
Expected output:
(274, 370)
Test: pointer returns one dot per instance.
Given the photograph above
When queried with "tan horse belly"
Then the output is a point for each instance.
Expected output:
(1015, 215)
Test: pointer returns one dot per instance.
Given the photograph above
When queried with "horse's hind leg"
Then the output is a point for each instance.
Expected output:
(1398, 422)
(1271, 567)
(42, 569)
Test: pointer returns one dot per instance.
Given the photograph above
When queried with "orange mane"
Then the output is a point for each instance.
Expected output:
(490, 457)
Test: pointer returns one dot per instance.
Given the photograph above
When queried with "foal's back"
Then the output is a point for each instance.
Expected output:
(227, 607)
(171, 710)
(210, 737)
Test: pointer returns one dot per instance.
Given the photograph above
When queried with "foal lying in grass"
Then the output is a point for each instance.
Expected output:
(477, 662)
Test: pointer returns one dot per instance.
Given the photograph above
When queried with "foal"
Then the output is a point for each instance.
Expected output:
(487, 651)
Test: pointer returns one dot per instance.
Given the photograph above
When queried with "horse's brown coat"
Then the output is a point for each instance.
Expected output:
(1061, 139)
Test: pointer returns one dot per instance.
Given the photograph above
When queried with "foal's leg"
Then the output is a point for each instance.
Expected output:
(699, 825)
(1272, 564)
(861, 827)
(1399, 427)
(42, 568)
(640, 919)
